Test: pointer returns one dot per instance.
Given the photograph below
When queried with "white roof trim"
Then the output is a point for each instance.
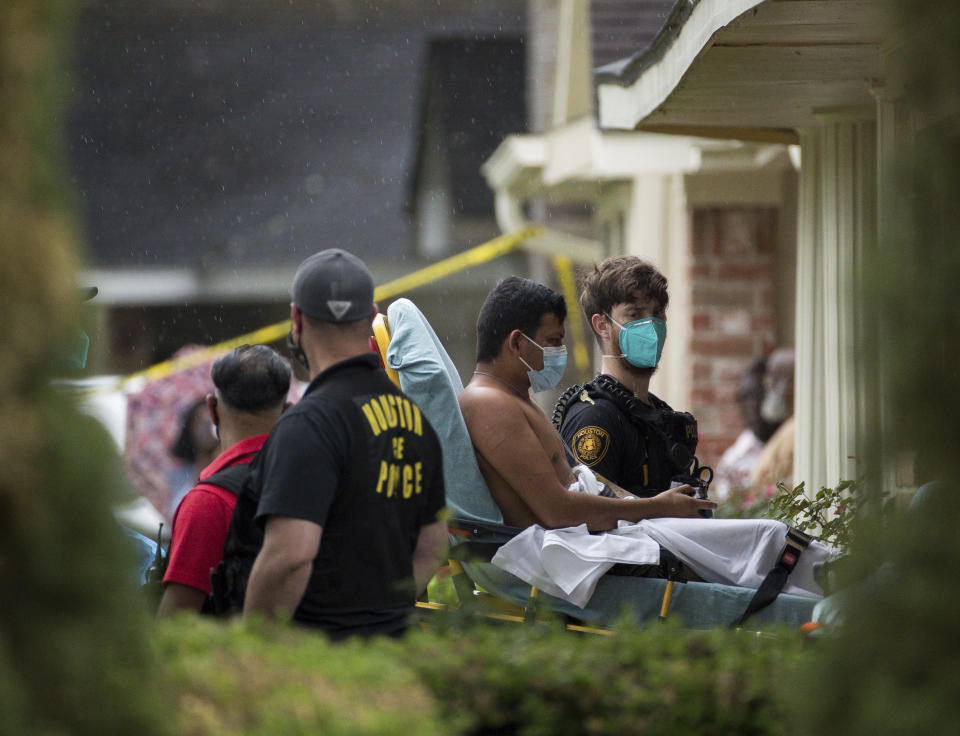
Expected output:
(156, 286)
(625, 107)
(532, 164)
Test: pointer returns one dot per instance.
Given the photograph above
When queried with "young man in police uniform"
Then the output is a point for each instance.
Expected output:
(520, 347)
(613, 424)
(348, 489)
(251, 385)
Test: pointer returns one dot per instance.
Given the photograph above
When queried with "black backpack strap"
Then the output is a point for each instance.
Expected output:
(670, 567)
(649, 418)
(230, 478)
(563, 403)
(773, 583)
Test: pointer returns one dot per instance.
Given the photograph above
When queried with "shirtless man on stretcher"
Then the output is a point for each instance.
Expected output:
(520, 348)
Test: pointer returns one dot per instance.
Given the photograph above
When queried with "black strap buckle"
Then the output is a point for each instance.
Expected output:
(796, 542)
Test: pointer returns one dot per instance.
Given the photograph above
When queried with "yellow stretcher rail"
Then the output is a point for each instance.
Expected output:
(476, 256)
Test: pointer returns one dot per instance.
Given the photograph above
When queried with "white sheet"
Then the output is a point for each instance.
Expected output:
(568, 563)
(737, 551)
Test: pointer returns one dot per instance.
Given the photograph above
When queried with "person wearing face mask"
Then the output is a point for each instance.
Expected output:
(775, 463)
(339, 526)
(736, 464)
(614, 424)
(520, 333)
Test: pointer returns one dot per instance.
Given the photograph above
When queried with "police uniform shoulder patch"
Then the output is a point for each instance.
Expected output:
(590, 444)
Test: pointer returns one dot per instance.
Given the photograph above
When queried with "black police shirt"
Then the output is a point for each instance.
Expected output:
(602, 436)
(358, 458)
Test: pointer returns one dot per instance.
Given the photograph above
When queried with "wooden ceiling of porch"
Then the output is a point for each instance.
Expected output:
(770, 71)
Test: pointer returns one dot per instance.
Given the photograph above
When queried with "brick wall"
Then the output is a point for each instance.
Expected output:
(732, 279)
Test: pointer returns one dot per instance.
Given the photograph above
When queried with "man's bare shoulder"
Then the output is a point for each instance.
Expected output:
(477, 398)
(490, 413)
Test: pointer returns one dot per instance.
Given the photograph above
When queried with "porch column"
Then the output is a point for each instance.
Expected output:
(836, 224)
(895, 128)
(656, 229)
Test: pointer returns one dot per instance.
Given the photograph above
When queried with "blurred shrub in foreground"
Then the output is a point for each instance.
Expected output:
(893, 670)
(73, 649)
(476, 679)
(275, 679)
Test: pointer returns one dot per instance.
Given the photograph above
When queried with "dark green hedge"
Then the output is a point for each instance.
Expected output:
(660, 680)
(269, 680)
(475, 679)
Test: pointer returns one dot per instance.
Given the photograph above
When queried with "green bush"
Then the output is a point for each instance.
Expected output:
(274, 679)
(73, 650)
(456, 677)
(892, 669)
(832, 514)
(661, 680)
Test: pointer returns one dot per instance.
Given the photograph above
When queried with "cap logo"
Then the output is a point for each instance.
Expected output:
(338, 308)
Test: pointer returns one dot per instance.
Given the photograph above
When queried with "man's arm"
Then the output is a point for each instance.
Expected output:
(431, 546)
(502, 435)
(199, 531)
(177, 597)
(282, 569)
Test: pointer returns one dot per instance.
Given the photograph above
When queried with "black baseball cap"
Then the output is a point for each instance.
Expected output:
(333, 286)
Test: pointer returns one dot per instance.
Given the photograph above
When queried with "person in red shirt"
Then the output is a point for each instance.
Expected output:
(251, 384)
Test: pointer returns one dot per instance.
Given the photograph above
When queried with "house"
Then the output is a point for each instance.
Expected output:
(817, 75)
(215, 146)
(717, 216)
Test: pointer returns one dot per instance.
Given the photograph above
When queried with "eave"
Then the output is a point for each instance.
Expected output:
(748, 70)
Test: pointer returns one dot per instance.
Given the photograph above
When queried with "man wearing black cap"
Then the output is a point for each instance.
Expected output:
(345, 495)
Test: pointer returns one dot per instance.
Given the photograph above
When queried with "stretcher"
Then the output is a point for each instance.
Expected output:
(410, 348)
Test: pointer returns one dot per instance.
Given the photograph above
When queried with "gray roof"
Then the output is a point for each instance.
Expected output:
(661, 21)
(216, 139)
(479, 82)
(623, 28)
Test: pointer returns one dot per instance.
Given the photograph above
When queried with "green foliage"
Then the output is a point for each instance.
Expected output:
(662, 680)
(74, 633)
(274, 679)
(73, 651)
(744, 503)
(892, 669)
(442, 590)
(829, 515)
(462, 677)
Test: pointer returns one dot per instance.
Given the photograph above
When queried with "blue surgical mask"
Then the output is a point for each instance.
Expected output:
(641, 341)
(774, 408)
(554, 364)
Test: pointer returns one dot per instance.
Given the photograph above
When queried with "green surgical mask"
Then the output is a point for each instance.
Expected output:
(641, 341)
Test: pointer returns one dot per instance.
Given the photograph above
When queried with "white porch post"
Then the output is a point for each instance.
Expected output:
(837, 221)
(895, 128)
(657, 230)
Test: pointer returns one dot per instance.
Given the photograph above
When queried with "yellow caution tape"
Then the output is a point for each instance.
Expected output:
(441, 269)
(564, 268)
